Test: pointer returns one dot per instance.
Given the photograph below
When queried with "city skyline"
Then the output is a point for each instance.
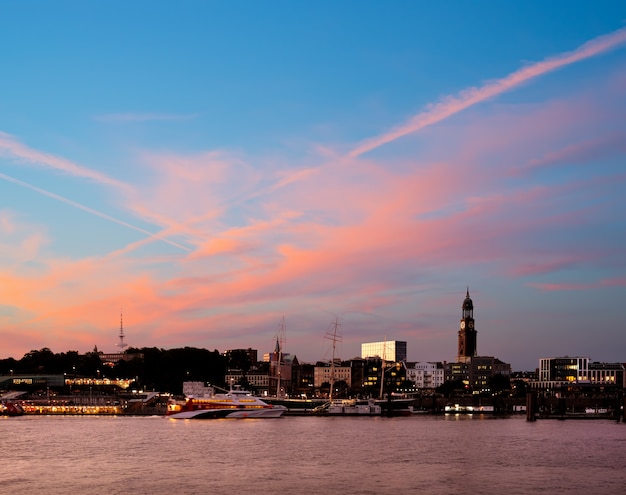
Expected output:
(208, 169)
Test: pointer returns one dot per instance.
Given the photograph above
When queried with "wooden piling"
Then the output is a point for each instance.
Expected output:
(531, 406)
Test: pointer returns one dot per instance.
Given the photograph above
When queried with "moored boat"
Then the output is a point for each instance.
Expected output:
(353, 407)
(296, 406)
(11, 409)
(396, 405)
(202, 402)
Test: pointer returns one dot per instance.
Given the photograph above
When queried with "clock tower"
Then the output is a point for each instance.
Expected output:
(467, 332)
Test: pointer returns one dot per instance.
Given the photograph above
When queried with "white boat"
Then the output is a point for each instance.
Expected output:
(202, 402)
(352, 407)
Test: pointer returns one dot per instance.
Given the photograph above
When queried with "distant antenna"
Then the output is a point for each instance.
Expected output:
(121, 344)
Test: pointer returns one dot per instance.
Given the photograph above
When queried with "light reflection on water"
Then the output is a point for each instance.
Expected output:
(429, 454)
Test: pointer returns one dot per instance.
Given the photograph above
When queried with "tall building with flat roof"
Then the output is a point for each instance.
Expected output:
(389, 350)
(578, 370)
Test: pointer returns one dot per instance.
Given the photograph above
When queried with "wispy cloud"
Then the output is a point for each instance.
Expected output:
(609, 282)
(472, 96)
(587, 151)
(91, 211)
(144, 117)
(14, 148)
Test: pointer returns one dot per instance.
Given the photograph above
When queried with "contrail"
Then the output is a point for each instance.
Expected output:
(12, 146)
(454, 104)
(91, 210)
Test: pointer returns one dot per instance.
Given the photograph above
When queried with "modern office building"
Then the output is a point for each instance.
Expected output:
(557, 372)
(390, 350)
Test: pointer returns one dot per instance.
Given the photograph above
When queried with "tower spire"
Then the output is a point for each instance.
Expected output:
(121, 344)
(467, 332)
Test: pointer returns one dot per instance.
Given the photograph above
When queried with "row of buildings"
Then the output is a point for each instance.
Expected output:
(382, 367)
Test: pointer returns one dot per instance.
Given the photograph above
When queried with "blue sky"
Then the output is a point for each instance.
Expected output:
(212, 167)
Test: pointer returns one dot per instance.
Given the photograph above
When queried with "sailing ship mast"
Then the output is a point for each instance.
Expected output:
(382, 368)
(335, 338)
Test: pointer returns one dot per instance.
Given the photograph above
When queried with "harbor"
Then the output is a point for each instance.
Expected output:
(156, 404)
(365, 456)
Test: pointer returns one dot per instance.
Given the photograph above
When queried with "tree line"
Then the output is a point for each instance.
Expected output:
(152, 368)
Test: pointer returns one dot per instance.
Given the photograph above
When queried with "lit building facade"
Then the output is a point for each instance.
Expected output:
(259, 381)
(390, 351)
(563, 371)
(426, 375)
(325, 374)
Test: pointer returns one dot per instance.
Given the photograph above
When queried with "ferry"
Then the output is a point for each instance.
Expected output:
(202, 402)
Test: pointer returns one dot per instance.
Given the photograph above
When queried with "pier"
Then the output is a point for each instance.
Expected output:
(538, 406)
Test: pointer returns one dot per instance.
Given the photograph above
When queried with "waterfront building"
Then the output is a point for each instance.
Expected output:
(302, 378)
(390, 350)
(395, 377)
(367, 373)
(257, 380)
(325, 373)
(426, 375)
(31, 382)
(559, 372)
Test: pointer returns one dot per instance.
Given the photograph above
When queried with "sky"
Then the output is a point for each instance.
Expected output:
(207, 169)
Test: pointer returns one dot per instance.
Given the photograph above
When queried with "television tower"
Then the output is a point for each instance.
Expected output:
(121, 344)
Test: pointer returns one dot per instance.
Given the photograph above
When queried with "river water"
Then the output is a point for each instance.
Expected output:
(311, 455)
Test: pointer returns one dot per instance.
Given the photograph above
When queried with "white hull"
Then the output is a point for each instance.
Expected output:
(274, 412)
(206, 404)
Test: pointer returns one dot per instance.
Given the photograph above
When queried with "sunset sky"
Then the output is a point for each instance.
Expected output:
(210, 167)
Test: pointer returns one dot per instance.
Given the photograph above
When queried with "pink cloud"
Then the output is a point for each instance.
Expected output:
(612, 282)
(550, 266)
(87, 209)
(354, 235)
(583, 152)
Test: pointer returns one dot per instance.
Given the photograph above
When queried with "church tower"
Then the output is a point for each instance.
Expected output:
(467, 332)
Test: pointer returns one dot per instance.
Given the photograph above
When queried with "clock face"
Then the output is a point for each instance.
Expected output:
(462, 325)
(471, 324)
